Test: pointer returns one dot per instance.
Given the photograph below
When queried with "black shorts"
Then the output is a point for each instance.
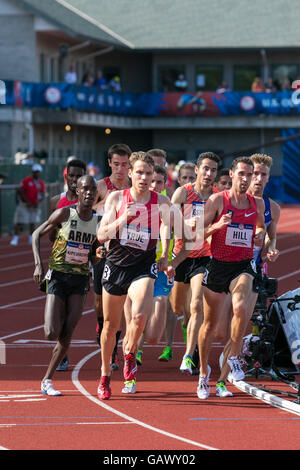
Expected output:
(189, 268)
(117, 280)
(219, 274)
(66, 284)
(97, 276)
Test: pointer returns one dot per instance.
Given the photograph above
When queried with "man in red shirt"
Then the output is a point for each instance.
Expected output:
(235, 221)
(30, 192)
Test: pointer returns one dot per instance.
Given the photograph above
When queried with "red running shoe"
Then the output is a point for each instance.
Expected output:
(130, 367)
(104, 390)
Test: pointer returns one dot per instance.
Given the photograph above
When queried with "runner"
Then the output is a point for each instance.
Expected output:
(237, 220)
(223, 180)
(74, 170)
(261, 174)
(118, 161)
(68, 277)
(191, 198)
(131, 222)
(186, 174)
(156, 321)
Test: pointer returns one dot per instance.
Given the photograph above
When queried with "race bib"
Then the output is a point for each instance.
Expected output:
(77, 253)
(198, 209)
(135, 236)
(239, 235)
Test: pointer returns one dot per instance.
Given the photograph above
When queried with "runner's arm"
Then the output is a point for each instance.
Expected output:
(56, 218)
(270, 244)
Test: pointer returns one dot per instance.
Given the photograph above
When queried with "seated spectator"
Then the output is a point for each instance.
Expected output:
(181, 83)
(87, 79)
(100, 80)
(269, 86)
(115, 84)
(223, 88)
(71, 76)
(257, 85)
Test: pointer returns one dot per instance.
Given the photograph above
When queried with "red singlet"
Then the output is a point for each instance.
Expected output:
(193, 206)
(64, 201)
(235, 242)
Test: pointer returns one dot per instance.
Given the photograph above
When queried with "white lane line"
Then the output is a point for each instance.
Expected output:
(33, 299)
(20, 281)
(288, 275)
(18, 333)
(78, 385)
(17, 266)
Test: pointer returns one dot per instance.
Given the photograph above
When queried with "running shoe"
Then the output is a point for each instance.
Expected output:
(203, 388)
(104, 390)
(14, 241)
(236, 370)
(63, 366)
(139, 359)
(187, 364)
(130, 367)
(47, 388)
(221, 390)
(167, 354)
(114, 365)
(129, 386)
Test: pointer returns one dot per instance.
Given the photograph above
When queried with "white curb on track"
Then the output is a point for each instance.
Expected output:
(266, 397)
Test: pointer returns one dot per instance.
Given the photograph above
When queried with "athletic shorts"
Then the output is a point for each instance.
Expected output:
(117, 280)
(97, 276)
(27, 215)
(65, 284)
(189, 268)
(163, 285)
(219, 274)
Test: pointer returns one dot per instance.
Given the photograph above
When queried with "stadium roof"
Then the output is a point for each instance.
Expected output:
(177, 24)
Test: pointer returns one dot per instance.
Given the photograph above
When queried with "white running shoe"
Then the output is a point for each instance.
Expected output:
(14, 241)
(221, 390)
(237, 372)
(186, 364)
(129, 386)
(203, 388)
(47, 388)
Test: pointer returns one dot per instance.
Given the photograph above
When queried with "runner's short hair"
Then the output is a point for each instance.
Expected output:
(119, 149)
(223, 172)
(141, 156)
(158, 153)
(186, 166)
(160, 170)
(236, 161)
(262, 159)
(76, 163)
(210, 156)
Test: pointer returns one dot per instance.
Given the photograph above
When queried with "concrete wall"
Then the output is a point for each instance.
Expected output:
(17, 43)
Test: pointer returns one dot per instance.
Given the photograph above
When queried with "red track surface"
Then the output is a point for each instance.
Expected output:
(164, 414)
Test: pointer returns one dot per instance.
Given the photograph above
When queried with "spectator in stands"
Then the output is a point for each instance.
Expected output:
(181, 83)
(223, 88)
(270, 86)
(115, 84)
(286, 83)
(87, 79)
(71, 75)
(30, 193)
(100, 81)
(257, 85)
(2, 177)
